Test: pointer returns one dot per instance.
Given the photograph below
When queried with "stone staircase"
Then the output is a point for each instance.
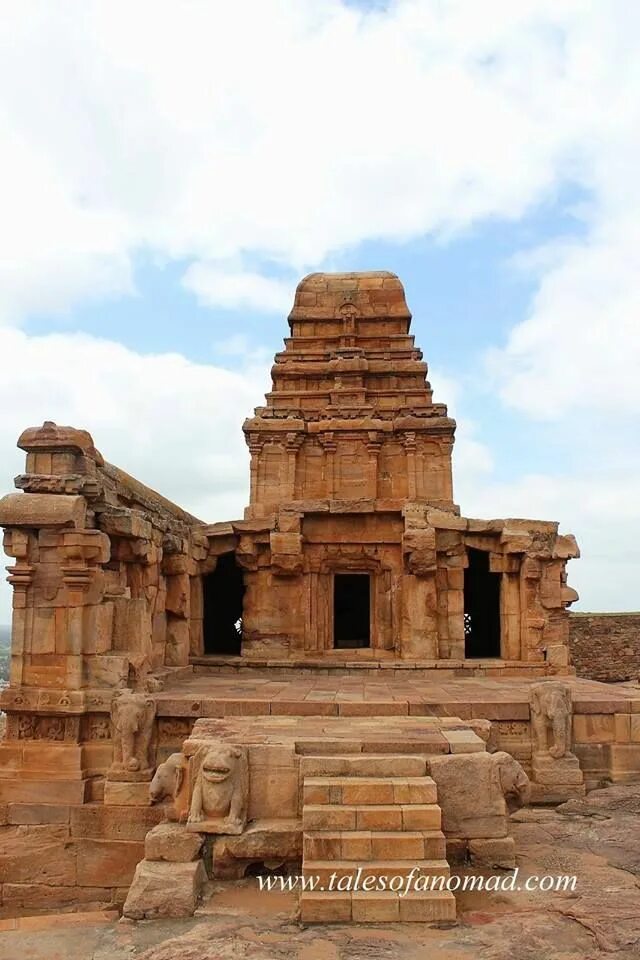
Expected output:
(368, 815)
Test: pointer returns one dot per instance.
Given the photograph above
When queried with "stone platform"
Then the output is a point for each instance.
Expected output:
(349, 689)
(606, 722)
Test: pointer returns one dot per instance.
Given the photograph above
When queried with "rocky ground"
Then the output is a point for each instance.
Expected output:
(597, 839)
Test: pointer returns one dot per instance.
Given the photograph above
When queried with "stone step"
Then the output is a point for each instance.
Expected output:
(357, 791)
(374, 907)
(375, 844)
(325, 870)
(363, 765)
(398, 817)
(370, 816)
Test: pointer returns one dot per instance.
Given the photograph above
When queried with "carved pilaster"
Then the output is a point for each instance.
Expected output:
(293, 442)
(410, 445)
(329, 445)
(255, 445)
(374, 444)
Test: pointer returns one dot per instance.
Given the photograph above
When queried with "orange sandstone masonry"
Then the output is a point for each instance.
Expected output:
(349, 675)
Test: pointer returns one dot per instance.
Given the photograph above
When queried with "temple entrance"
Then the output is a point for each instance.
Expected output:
(223, 591)
(351, 610)
(481, 607)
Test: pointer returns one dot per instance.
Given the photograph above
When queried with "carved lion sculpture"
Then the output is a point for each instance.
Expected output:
(551, 718)
(514, 782)
(132, 716)
(167, 782)
(221, 791)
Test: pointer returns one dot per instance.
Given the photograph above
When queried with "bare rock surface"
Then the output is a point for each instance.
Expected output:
(596, 838)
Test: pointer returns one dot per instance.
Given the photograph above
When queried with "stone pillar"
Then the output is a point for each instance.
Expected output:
(83, 552)
(383, 638)
(21, 545)
(510, 616)
(452, 560)
(532, 614)
(328, 443)
(255, 446)
(293, 443)
(196, 608)
(179, 570)
(509, 566)
(419, 634)
(374, 444)
(409, 442)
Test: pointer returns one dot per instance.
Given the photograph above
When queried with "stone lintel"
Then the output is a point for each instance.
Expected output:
(42, 510)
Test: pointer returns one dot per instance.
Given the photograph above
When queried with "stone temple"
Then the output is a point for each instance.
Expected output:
(318, 682)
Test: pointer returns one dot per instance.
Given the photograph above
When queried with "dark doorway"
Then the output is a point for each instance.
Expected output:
(351, 598)
(481, 607)
(223, 592)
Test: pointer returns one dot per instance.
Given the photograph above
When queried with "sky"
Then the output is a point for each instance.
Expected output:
(169, 170)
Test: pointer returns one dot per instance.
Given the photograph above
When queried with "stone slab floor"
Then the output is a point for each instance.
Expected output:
(262, 692)
(596, 838)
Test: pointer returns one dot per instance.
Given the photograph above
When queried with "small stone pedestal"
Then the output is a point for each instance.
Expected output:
(127, 793)
(556, 780)
(169, 881)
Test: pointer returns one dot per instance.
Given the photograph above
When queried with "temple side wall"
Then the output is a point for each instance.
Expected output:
(106, 595)
(605, 646)
(106, 571)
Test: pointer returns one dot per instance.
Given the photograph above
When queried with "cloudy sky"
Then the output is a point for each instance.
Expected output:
(168, 170)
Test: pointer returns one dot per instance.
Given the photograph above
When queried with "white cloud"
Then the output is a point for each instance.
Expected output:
(173, 424)
(291, 128)
(601, 507)
(288, 130)
(594, 497)
(214, 286)
(579, 348)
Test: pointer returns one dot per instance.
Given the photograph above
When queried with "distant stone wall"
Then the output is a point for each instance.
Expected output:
(605, 646)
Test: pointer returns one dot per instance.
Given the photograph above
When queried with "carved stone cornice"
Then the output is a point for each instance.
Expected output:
(70, 484)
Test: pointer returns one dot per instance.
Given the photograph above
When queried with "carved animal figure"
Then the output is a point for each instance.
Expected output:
(132, 716)
(486, 731)
(167, 779)
(221, 791)
(514, 782)
(551, 718)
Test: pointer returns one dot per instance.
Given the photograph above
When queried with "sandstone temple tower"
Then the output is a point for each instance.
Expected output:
(352, 541)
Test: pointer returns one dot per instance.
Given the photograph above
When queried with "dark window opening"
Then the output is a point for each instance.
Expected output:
(223, 593)
(481, 607)
(351, 600)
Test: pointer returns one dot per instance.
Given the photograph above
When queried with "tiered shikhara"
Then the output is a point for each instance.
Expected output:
(351, 472)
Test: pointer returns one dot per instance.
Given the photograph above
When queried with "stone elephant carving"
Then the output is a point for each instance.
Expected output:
(551, 718)
(220, 796)
(168, 779)
(132, 722)
(514, 782)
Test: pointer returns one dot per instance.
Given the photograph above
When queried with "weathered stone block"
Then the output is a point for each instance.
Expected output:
(115, 859)
(37, 854)
(481, 812)
(173, 843)
(164, 890)
(494, 852)
(121, 793)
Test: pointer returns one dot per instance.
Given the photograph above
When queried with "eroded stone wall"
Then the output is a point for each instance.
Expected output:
(605, 646)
